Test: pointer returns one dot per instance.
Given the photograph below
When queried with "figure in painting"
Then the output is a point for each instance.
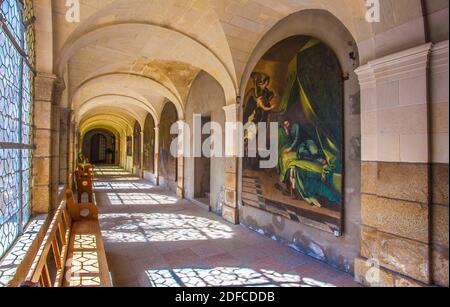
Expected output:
(303, 167)
(259, 103)
(259, 107)
(306, 185)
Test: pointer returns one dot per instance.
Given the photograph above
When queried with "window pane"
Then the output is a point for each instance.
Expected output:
(8, 233)
(9, 196)
(12, 13)
(9, 91)
(16, 109)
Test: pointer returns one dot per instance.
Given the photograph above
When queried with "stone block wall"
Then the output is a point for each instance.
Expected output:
(404, 205)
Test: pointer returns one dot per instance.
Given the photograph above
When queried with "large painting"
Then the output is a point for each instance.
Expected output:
(299, 85)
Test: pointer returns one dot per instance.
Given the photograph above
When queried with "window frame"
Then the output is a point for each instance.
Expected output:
(26, 55)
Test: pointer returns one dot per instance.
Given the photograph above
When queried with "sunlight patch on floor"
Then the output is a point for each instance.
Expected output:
(160, 227)
(117, 185)
(229, 277)
(143, 199)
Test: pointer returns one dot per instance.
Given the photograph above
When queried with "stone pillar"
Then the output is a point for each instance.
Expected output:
(72, 151)
(180, 178)
(396, 191)
(131, 164)
(142, 155)
(156, 167)
(183, 139)
(439, 116)
(46, 155)
(72, 155)
(230, 209)
(64, 140)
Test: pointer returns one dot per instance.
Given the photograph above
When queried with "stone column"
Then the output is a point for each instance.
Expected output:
(395, 205)
(156, 167)
(439, 115)
(180, 179)
(46, 155)
(142, 154)
(72, 158)
(64, 139)
(182, 137)
(230, 209)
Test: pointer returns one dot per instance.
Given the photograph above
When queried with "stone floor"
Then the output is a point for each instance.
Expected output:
(152, 238)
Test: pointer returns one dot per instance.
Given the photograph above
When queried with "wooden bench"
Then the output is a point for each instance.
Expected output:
(72, 253)
(84, 183)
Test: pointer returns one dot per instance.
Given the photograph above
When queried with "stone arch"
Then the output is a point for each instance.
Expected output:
(305, 23)
(168, 165)
(205, 177)
(109, 156)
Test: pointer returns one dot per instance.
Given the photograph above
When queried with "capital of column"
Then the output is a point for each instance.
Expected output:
(232, 112)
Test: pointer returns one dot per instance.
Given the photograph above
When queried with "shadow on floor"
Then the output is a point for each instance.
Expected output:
(155, 239)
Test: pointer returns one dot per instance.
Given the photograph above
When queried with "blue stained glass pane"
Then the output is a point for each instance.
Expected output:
(9, 232)
(16, 109)
(10, 64)
(9, 182)
(11, 11)
(9, 197)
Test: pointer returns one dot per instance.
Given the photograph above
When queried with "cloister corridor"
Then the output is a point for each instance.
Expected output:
(152, 238)
(204, 143)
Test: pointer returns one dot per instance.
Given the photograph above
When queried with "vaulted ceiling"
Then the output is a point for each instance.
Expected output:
(126, 58)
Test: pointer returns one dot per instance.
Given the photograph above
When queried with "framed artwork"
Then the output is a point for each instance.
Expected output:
(299, 85)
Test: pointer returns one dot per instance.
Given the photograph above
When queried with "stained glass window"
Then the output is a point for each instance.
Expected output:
(17, 58)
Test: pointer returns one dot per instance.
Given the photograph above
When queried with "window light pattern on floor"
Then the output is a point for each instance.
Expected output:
(229, 277)
(160, 227)
(16, 255)
(126, 185)
(126, 199)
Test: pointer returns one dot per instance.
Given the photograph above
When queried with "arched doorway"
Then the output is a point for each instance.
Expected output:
(98, 149)
(99, 146)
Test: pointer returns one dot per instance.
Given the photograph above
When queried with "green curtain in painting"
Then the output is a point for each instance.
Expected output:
(315, 82)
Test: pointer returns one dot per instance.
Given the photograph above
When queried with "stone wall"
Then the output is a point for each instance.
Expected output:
(436, 16)
(405, 168)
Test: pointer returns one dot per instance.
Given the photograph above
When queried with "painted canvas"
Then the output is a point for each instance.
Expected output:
(299, 85)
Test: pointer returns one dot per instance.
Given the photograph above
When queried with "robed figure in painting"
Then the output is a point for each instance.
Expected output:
(259, 107)
(310, 136)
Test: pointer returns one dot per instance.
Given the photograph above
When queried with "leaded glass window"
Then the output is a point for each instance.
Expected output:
(17, 58)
